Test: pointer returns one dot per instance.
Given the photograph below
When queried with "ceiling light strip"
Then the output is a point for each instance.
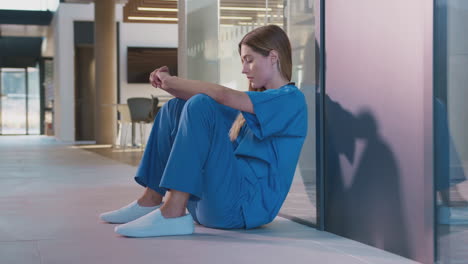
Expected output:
(263, 15)
(153, 18)
(157, 9)
(234, 8)
(236, 17)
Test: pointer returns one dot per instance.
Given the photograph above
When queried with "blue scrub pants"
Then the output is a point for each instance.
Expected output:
(189, 150)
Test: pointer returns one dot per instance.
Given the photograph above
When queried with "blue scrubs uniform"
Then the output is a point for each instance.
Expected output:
(239, 184)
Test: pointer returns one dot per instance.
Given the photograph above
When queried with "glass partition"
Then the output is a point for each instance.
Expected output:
(299, 20)
(450, 130)
(202, 40)
(33, 101)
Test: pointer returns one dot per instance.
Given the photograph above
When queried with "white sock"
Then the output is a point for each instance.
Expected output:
(155, 224)
(127, 213)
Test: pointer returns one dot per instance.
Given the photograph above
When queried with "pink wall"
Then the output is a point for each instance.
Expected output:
(379, 123)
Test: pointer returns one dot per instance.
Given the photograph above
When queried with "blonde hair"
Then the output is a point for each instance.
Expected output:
(263, 40)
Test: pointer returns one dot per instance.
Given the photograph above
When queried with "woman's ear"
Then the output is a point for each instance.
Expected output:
(274, 56)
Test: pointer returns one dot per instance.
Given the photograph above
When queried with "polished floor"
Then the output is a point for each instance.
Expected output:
(51, 194)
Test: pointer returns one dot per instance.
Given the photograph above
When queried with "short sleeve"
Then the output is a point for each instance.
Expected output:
(277, 112)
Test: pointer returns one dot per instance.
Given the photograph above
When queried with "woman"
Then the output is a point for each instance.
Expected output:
(227, 156)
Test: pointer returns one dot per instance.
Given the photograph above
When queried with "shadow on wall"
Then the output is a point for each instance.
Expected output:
(362, 185)
(362, 193)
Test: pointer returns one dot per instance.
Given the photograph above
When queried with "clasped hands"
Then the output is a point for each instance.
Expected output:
(158, 76)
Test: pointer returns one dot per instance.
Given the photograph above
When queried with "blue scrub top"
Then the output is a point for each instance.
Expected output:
(268, 147)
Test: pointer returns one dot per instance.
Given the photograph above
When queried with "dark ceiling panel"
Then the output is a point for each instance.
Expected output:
(19, 51)
(17, 62)
(20, 46)
(25, 17)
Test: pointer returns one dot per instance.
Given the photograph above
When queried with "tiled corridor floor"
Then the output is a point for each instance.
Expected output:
(51, 194)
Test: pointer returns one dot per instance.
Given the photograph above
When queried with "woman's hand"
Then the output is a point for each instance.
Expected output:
(184, 89)
(158, 76)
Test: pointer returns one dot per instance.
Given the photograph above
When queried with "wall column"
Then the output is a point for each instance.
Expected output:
(105, 53)
(182, 45)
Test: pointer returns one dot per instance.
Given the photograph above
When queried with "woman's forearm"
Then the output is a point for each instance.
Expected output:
(184, 89)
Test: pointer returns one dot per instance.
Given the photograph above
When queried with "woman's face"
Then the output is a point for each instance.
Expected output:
(257, 68)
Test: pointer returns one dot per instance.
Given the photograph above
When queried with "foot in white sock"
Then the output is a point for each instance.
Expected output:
(127, 213)
(155, 224)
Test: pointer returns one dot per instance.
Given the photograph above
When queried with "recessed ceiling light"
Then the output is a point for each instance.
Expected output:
(245, 8)
(153, 18)
(236, 17)
(263, 15)
(157, 9)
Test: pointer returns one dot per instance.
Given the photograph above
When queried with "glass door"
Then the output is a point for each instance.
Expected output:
(19, 101)
(13, 101)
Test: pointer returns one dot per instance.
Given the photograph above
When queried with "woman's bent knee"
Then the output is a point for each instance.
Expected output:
(200, 101)
(200, 98)
(172, 108)
(174, 102)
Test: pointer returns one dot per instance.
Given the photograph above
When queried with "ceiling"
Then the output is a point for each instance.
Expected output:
(255, 11)
(165, 13)
(21, 23)
(24, 23)
(28, 27)
(90, 1)
(21, 36)
(18, 28)
(23, 30)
